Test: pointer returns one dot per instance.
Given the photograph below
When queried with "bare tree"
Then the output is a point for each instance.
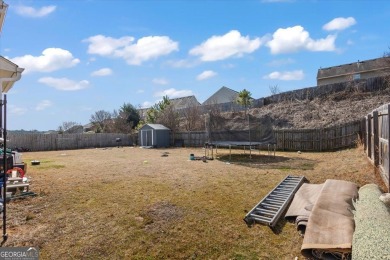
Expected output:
(69, 127)
(386, 55)
(169, 117)
(192, 117)
(214, 113)
(102, 121)
(119, 124)
(274, 89)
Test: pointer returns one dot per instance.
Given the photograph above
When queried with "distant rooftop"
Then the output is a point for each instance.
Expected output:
(223, 95)
(184, 102)
(355, 67)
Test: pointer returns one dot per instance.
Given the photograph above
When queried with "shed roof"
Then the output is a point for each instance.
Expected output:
(157, 126)
(223, 95)
(355, 67)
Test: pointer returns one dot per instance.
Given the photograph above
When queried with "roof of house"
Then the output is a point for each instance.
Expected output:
(223, 95)
(355, 67)
(157, 126)
(9, 73)
(3, 10)
(184, 102)
(89, 125)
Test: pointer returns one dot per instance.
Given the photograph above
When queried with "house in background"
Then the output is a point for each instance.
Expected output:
(354, 71)
(225, 99)
(184, 102)
(9, 71)
(178, 104)
(3, 10)
(223, 95)
(9, 74)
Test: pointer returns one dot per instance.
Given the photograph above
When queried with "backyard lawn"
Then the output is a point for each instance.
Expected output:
(133, 203)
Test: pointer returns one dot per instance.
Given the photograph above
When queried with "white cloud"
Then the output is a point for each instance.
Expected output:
(286, 75)
(339, 23)
(106, 46)
(51, 59)
(146, 104)
(182, 63)
(160, 81)
(206, 75)
(102, 72)
(295, 38)
(29, 11)
(17, 110)
(145, 49)
(173, 93)
(232, 44)
(140, 91)
(43, 105)
(64, 83)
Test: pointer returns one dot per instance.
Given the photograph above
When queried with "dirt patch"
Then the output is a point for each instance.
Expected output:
(160, 216)
(269, 161)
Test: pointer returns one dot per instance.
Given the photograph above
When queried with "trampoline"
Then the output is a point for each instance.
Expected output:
(240, 130)
(229, 144)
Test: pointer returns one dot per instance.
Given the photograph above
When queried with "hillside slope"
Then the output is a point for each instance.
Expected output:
(332, 110)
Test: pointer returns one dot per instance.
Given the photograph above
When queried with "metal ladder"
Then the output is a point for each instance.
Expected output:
(269, 210)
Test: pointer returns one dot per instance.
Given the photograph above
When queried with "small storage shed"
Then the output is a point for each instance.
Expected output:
(154, 135)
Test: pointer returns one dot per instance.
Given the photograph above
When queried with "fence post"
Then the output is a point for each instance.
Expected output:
(363, 132)
(388, 148)
(376, 138)
(283, 139)
(369, 136)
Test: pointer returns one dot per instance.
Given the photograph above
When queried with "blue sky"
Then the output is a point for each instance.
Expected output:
(88, 55)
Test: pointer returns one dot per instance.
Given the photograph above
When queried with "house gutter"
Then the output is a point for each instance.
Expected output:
(17, 76)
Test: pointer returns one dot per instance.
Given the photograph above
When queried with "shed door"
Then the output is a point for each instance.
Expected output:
(146, 137)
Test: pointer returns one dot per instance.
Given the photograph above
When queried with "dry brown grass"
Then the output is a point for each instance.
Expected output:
(132, 203)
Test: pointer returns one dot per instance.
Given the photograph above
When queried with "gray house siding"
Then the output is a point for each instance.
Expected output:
(354, 71)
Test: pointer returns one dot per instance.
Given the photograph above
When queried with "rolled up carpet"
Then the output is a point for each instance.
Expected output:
(330, 227)
(371, 239)
(300, 209)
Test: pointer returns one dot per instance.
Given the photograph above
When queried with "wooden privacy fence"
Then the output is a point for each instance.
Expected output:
(49, 142)
(375, 137)
(321, 139)
(191, 138)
